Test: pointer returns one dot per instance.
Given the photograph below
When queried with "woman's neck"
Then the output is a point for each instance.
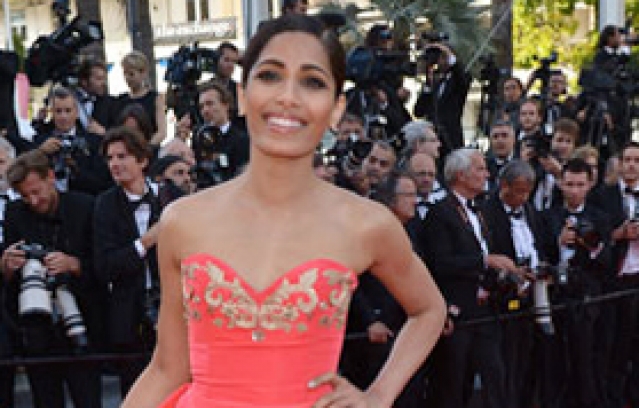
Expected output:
(279, 181)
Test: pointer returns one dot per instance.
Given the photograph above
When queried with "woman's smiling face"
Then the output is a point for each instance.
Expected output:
(289, 97)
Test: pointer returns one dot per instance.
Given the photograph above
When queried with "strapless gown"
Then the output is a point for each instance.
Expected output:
(252, 348)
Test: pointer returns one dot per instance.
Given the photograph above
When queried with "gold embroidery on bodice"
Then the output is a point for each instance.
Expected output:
(287, 307)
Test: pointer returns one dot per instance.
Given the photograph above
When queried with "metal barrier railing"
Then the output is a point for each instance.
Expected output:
(115, 357)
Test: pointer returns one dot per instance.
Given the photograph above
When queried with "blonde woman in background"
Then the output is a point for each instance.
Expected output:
(135, 66)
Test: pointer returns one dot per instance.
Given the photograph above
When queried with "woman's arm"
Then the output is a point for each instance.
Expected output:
(409, 281)
(160, 120)
(169, 367)
(393, 262)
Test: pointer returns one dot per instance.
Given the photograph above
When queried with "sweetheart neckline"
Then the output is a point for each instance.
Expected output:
(303, 266)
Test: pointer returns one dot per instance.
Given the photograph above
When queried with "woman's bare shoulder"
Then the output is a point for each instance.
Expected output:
(363, 212)
(193, 206)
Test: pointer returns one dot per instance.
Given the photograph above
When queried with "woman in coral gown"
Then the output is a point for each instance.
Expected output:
(257, 273)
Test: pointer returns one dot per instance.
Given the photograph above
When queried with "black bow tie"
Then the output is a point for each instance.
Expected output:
(516, 214)
(472, 205)
(634, 193)
(134, 204)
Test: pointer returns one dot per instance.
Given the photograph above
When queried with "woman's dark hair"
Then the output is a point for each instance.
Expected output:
(386, 190)
(297, 23)
(137, 112)
(606, 34)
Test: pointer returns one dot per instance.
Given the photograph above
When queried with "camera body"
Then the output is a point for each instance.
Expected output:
(367, 66)
(587, 233)
(212, 163)
(54, 57)
(71, 148)
(539, 143)
(188, 63)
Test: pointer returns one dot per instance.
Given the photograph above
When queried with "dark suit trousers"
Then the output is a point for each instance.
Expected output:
(518, 349)
(478, 349)
(624, 348)
(83, 381)
(7, 374)
(579, 327)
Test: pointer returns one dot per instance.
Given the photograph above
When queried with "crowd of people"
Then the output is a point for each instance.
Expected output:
(547, 215)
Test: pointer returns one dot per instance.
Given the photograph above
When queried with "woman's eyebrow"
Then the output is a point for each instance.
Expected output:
(305, 67)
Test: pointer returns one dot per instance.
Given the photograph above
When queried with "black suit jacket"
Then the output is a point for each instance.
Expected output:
(500, 228)
(446, 111)
(92, 175)
(69, 230)
(121, 266)
(106, 110)
(608, 198)
(454, 256)
(589, 273)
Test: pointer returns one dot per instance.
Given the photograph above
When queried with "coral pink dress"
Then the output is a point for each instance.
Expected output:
(253, 348)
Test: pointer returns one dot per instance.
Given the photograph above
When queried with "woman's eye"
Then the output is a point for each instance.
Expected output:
(268, 76)
(314, 83)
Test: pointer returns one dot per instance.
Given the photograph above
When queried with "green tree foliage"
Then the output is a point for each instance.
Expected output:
(540, 27)
(460, 19)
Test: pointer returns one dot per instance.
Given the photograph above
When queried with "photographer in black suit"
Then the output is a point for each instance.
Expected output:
(222, 155)
(443, 96)
(517, 232)
(73, 151)
(63, 276)
(582, 256)
(459, 254)
(97, 110)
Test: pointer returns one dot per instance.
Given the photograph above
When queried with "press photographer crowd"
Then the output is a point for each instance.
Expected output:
(534, 243)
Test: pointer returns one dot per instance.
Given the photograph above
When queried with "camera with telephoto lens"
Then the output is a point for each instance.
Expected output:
(212, 164)
(44, 298)
(541, 299)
